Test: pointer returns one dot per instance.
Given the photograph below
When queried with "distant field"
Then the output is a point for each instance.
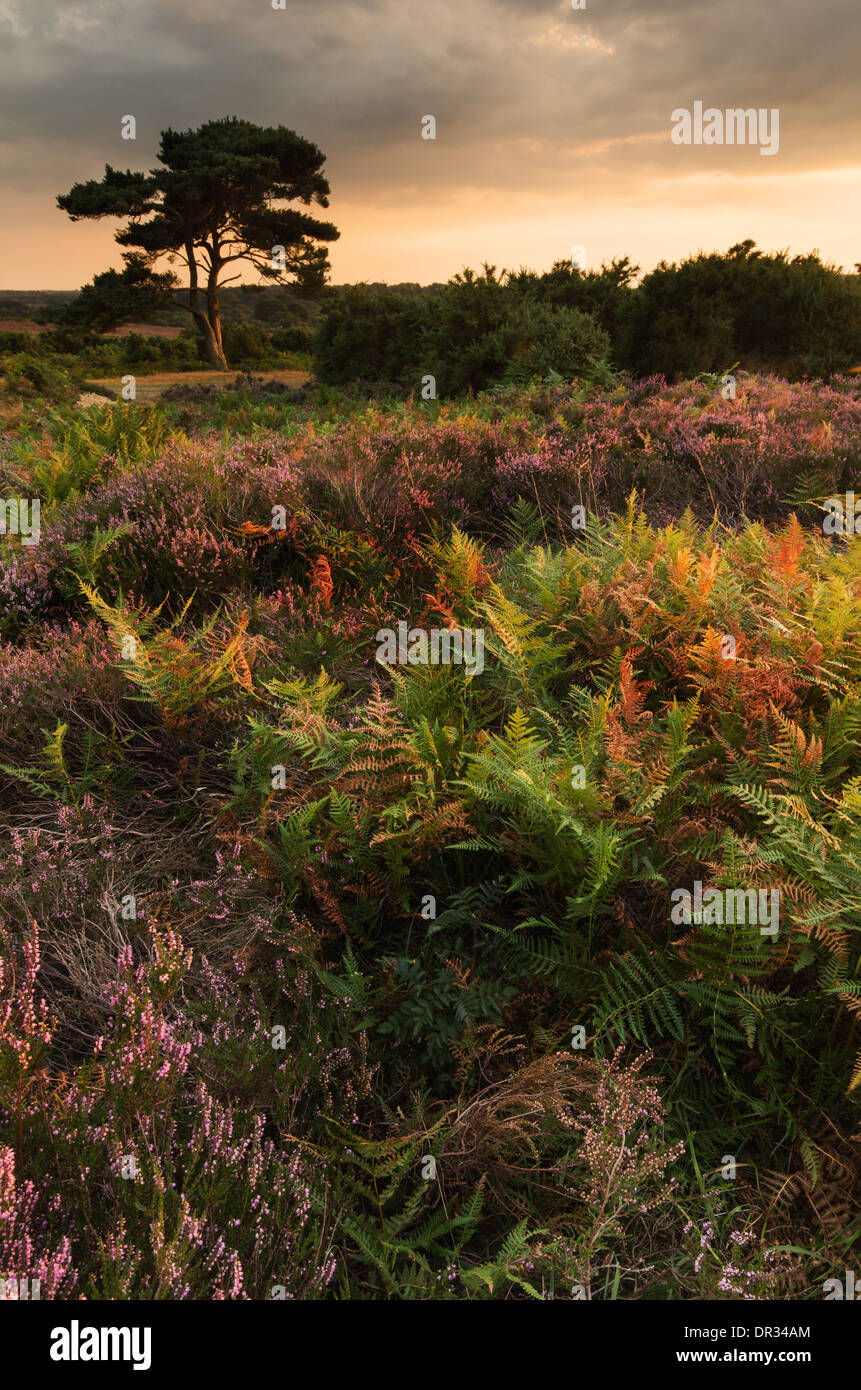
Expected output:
(146, 330)
(151, 386)
(20, 326)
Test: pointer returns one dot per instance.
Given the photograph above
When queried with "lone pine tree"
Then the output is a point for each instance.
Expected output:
(214, 202)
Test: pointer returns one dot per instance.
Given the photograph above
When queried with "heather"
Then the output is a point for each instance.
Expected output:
(322, 978)
(146, 510)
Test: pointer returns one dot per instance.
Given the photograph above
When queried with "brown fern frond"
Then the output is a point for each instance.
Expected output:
(483, 1046)
(460, 971)
(434, 604)
(826, 1175)
(321, 580)
(324, 895)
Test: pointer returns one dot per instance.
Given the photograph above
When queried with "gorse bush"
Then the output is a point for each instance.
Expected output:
(371, 334)
(471, 333)
(31, 374)
(502, 338)
(797, 316)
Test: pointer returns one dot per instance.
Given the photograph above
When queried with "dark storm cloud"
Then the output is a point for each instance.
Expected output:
(522, 89)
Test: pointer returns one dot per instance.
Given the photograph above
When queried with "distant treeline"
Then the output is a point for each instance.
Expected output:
(799, 317)
(268, 304)
(263, 326)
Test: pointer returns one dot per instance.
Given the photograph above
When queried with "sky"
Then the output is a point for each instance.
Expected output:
(553, 124)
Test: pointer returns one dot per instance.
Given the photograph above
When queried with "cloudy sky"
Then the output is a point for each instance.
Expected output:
(553, 123)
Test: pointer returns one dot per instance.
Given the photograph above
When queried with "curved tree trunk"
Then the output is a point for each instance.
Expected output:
(212, 342)
(215, 349)
(209, 320)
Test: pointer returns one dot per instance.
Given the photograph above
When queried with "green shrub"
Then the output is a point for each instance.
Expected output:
(366, 334)
(31, 374)
(245, 343)
(293, 337)
(801, 316)
(476, 331)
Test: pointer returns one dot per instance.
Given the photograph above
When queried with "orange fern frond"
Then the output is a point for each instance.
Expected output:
(787, 553)
(707, 572)
(321, 580)
(434, 604)
(680, 567)
(632, 693)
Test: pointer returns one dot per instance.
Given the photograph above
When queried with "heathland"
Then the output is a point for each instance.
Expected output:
(331, 977)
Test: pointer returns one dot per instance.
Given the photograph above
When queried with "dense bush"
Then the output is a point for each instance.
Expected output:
(796, 316)
(32, 374)
(481, 332)
(604, 294)
(245, 343)
(14, 343)
(475, 331)
(135, 352)
(369, 334)
(295, 337)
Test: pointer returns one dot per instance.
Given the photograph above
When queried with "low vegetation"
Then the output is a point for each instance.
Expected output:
(325, 976)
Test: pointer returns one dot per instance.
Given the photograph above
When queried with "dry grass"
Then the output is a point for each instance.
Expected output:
(151, 386)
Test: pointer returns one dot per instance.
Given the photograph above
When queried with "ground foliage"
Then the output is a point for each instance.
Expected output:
(316, 1037)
